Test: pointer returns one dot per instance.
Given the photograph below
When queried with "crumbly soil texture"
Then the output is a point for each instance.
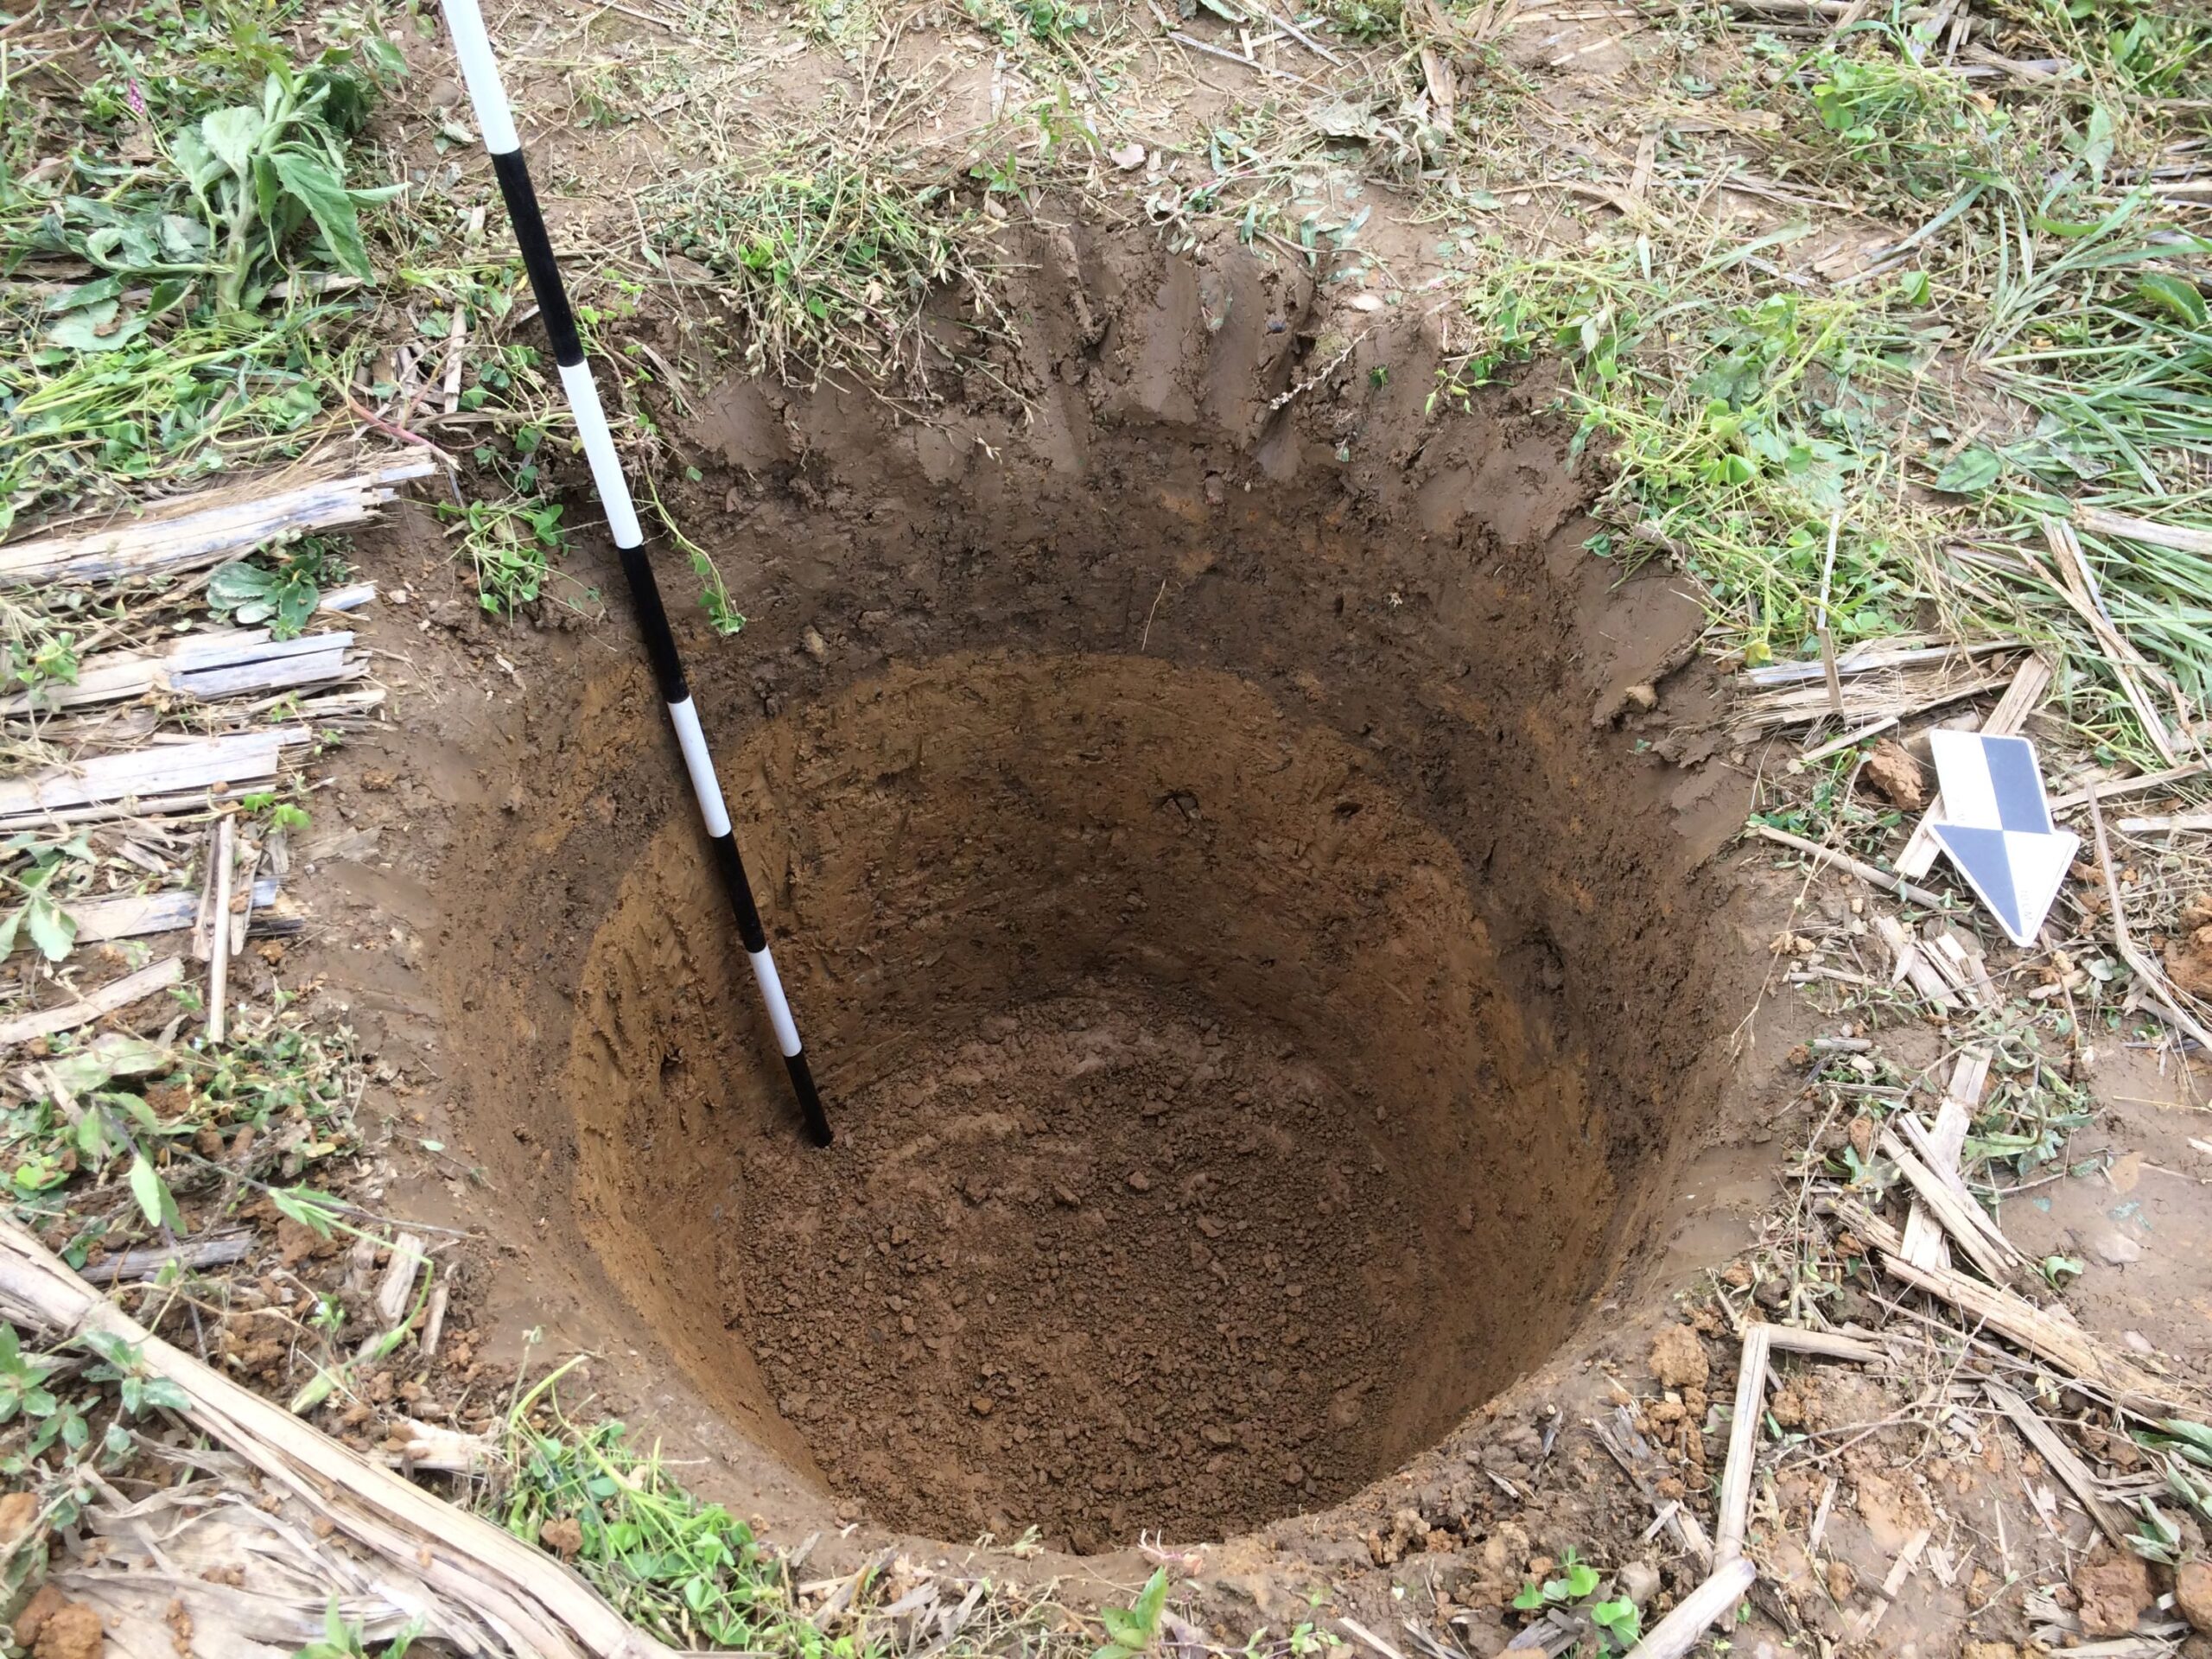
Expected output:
(1189, 1251)
(1239, 865)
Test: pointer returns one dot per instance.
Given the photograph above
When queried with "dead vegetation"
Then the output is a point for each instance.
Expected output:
(1890, 323)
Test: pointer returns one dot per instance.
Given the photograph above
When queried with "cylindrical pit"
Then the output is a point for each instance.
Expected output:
(1254, 995)
(1194, 1164)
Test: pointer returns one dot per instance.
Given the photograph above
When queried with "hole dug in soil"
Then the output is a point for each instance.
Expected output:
(1252, 1016)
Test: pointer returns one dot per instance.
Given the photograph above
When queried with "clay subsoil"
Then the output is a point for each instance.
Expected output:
(1191, 1307)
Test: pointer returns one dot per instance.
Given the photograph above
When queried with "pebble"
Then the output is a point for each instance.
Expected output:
(1640, 1582)
(2116, 1249)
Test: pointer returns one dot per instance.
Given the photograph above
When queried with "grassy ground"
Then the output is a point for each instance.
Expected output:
(1859, 323)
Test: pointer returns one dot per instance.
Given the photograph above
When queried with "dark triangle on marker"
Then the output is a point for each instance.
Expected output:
(2014, 782)
(1981, 855)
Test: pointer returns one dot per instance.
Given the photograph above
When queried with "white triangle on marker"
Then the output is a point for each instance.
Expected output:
(2039, 866)
(1962, 775)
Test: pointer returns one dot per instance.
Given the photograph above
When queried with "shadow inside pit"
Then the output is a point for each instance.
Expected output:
(1256, 995)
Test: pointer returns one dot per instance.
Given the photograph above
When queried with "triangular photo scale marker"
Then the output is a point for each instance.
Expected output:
(2039, 867)
(1980, 855)
(2017, 877)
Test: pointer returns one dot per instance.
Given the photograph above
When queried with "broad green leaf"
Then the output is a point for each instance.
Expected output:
(153, 1195)
(238, 583)
(2175, 296)
(128, 247)
(95, 329)
(185, 240)
(383, 57)
(2182, 1429)
(9, 924)
(2096, 144)
(53, 929)
(194, 160)
(306, 1206)
(231, 135)
(115, 1055)
(310, 181)
(1971, 472)
(91, 293)
(268, 188)
(1152, 1601)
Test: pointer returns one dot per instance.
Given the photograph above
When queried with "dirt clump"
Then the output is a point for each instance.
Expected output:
(2114, 1586)
(1123, 1268)
(1678, 1358)
(1891, 770)
(2189, 954)
(17, 1512)
(51, 1626)
(2193, 1594)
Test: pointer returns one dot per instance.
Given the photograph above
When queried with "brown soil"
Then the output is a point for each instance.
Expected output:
(1088, 1273)
(1171, 707)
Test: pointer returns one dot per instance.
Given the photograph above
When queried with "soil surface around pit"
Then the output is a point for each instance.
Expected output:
(1107, 1267)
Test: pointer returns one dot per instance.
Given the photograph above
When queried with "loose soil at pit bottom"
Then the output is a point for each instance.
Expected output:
(1123, 1268)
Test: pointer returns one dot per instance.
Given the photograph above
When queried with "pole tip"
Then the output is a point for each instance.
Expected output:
(810, 1099)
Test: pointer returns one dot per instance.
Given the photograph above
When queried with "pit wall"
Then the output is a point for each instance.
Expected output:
(1397, 606)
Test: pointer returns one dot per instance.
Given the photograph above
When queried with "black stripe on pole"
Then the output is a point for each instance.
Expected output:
(810, 1098)
(651, 612)
(750, 933)
(538, 259)
(652, 625)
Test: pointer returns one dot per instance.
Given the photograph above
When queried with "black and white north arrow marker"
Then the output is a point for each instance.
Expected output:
(1997, 828)
(496, 121)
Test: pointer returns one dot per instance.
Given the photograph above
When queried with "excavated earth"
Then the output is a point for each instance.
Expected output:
(1220, 844)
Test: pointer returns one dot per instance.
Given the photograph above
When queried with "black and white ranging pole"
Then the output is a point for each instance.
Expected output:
(497, 123)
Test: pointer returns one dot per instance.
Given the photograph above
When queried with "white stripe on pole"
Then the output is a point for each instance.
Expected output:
(482, 70)
(598, 450)
(771, 993)
(684, 717)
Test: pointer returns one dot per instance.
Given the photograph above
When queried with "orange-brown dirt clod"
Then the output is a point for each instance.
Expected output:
(2115, 1586)
(1252, 997)
(51, 1626)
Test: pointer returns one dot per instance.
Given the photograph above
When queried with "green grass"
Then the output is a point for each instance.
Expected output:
(179, 229)
(831, 265)
(1741, 420)
(695, 1575)
(2039, 341)
(1887, 108)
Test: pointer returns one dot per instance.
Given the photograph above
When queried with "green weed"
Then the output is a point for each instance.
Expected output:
(509, 545)
(1131, 1630)
(281, 586)
(1368, 23)
(1886, 107)
(196, 214)
(1741, 420)
(690, 1573)
(37, 915)
(341, 1640)
(831, 267)
(2145, 48)
(1618, 1621)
